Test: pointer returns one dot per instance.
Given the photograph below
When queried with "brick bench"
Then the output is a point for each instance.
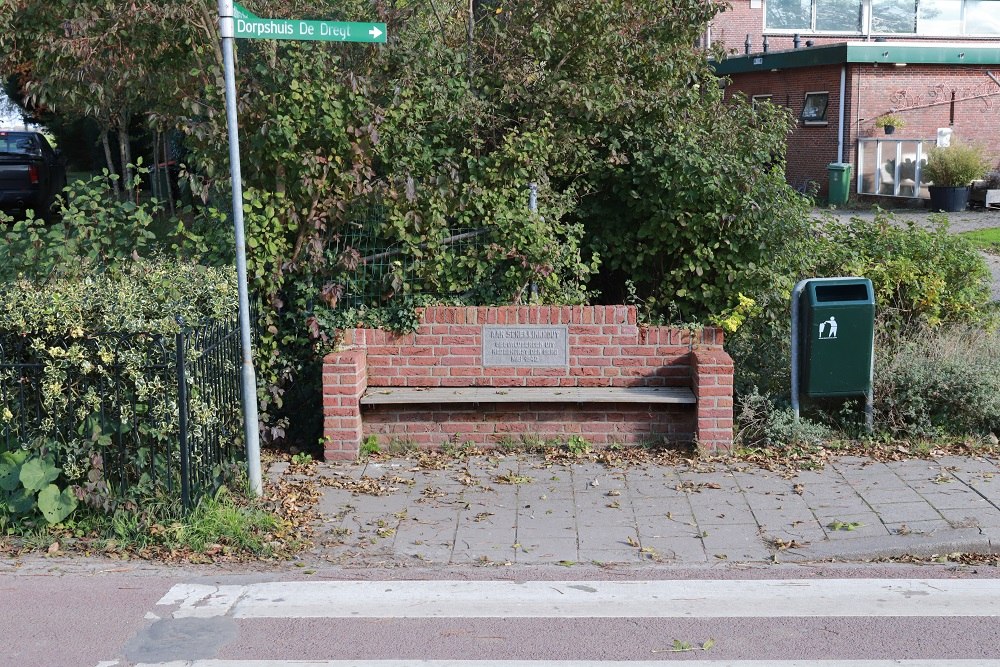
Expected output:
(483, 375)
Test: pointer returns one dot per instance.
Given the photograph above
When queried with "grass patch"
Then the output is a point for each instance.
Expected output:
(987, 240)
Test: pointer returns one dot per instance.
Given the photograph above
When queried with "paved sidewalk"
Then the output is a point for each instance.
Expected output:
(522, 509)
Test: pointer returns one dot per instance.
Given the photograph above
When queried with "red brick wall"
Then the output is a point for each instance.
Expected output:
(810, 147)
(607, 348)
(921, 94)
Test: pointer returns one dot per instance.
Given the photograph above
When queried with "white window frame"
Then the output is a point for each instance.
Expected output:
(866, 23)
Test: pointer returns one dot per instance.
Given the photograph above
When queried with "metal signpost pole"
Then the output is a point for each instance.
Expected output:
(247, 376)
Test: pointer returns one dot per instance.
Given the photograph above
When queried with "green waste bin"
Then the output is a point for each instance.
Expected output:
(839, 327)
(840, 182)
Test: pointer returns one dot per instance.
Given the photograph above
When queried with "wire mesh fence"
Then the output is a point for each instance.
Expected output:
(127, 415)
(369, 266)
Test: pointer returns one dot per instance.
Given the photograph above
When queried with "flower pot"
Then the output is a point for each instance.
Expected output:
(889, 129)
(949, 199)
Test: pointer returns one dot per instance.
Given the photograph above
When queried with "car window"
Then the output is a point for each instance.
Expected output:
(21, 143)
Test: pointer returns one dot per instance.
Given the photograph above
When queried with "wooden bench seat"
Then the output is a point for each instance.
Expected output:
(417, 395)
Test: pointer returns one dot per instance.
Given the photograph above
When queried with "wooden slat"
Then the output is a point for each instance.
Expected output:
(415, 395)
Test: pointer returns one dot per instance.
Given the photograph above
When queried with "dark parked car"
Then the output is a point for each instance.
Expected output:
(31, 173)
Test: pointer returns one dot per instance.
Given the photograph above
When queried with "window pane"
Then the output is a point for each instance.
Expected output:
(869, 167)
(838, 15)
(982, 17)
(814, 109)
(789, 14)
(894, 16)
(940, 17)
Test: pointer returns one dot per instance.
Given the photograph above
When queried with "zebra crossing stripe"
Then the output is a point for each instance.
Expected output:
(592, 599)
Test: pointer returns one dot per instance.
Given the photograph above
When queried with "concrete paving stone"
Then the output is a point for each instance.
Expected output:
(655, 507)
(674, 549)
(546, 551)
(988, 490)
(485, 533)
(616, 537)
(597, 485)
(624, 525)
(867, 473)
(870, 525)
(986, 516)
(717, 513)
(804, 536)
(790, 502)
(828, 490)
(546, 488)
(786, 520)
(955, 498)
(546, 509)
(914, 511)
(914, 469)
(969, 464)
(482, 557)
(765, 486)
(667, 527)
(534, 534)
(537, 530)
(892, 497)
(542, 525)
(665, 490)
(426, 554)
(728, 539)
(627, 556)
(918, 527)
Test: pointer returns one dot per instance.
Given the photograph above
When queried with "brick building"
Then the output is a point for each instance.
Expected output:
(841, 64)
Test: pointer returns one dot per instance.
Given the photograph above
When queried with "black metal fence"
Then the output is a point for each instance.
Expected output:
(127, 416)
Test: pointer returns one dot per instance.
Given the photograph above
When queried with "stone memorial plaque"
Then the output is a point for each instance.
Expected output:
(525, 345)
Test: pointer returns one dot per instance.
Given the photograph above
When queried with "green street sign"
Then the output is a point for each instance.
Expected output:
(251, 26)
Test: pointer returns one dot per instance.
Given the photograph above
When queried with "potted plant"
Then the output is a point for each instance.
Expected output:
(890, 122)
(950, 171)
(986, 192)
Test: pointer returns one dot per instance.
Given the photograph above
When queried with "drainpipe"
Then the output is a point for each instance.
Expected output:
(840, 115)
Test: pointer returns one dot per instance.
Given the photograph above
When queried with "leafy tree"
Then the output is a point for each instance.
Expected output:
(606, 105)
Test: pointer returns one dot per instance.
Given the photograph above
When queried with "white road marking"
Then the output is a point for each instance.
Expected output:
(200, 601)
(575, 663)
(593, 599)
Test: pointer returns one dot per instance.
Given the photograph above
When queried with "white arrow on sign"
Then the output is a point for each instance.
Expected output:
(375, 33)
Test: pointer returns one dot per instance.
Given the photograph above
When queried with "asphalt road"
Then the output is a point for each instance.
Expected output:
(68, 612)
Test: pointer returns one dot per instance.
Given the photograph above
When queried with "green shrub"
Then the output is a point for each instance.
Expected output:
(140, 296)
(920, 276)
(97, 396)
(940, 380)
(95, 228)
(956, 165)
(762, 423)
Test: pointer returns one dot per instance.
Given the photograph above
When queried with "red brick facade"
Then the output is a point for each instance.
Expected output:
(607, 348)
(920, 94)
(927, 93)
